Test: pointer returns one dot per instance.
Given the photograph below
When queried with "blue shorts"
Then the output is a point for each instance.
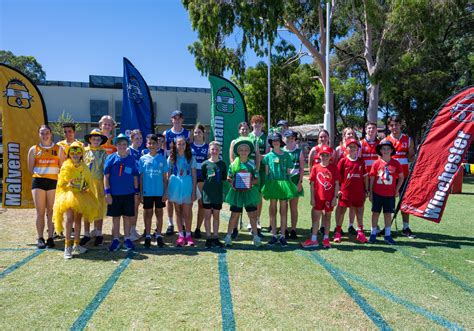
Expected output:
(122, 205)
(378, 201)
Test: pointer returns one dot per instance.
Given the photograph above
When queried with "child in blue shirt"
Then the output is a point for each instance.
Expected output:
(121, 190)
(153, 182)
(200, 150)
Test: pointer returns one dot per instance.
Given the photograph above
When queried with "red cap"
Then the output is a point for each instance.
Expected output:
(352, 141)
(325, 150)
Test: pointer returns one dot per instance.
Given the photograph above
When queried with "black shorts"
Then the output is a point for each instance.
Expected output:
(215, 206)
(122, 205)
(378, 201)
(249, 209)
(148, 202)
(44, 184)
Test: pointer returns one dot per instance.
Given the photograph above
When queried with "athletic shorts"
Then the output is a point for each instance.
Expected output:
(122, 205)
(44, 184)
(379, 202)
(215, 206)
(249, 209)
(323, 205)
(350, 203)
(149, 202)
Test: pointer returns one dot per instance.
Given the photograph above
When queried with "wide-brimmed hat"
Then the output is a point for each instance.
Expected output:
(352, 141)
(121, 136)
(95, 133)
(325, 149)
(385, 142)
(273, 137)
(243, 141)
(75, 144)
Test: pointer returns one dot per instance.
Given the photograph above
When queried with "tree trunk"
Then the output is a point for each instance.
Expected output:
(372, 111)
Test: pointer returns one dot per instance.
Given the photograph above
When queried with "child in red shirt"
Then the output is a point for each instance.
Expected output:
(354, 187)
(324, 180)
(386, 177)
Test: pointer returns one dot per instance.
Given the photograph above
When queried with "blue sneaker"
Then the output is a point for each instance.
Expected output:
(129, 245)
(373, 238)
(115, 246)
(389, 240)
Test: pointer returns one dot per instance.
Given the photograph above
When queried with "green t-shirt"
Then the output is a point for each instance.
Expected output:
(260, 142)
(295, 158)
(214, 175)
(278, 165)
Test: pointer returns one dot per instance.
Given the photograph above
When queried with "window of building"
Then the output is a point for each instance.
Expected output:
(98, 108)
(190, 113)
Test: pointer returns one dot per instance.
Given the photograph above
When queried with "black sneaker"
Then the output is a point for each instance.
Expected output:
(293, 234)
(147, 242)
(144, 234)
(50, 243)
(259, 233)
(287, 234)
(352, 231)
(234, 234)
(99, 240)
(56, 235)
(269, 229)
(273, 240)
(408, 233)
(209, 243)
(170, 230)
(322, 230)
(41, 244)
(84, 240)
(217, 243)
(159, 241)
(197, 233)
(283, 241)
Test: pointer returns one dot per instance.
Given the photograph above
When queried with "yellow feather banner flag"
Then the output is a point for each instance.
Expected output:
(23, 112)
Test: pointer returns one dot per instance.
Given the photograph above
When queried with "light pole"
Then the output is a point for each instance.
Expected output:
(269, 66)
(327, 114)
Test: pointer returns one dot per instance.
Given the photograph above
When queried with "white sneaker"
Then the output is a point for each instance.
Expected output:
(249, 227)
(257, 241)
(79, 249)
(134, 235)
(93, 233)
(68, 253)
(228, 241)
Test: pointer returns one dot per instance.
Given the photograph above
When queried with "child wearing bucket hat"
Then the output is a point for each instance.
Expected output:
(243, 177)
(74, 198)
(324, 182)
(354, 188)
(94, 158)
(278, 187)
(386, 178)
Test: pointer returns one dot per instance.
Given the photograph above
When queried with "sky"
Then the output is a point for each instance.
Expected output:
(73, 39)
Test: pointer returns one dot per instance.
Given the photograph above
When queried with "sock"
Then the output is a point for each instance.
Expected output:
(159, 235)
(338, 228)
(351, 224)
(405, 225)
(314, 237)
(98, 233)
(326, 237)
(373, 231)
(170, 221)
(126, 238)
(188, 234)
(116, 238)
(360, 228)
(132, 228)
(76, 242)
(87, 233)
(388, 230)
(181, 234)
(67, 243)
(148, 236)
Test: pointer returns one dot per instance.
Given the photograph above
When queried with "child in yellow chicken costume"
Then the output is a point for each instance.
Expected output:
(74, 198)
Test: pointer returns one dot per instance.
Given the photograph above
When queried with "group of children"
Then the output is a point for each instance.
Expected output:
(113, 179)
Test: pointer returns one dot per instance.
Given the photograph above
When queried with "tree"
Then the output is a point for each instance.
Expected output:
(26, 64)
(256, 23)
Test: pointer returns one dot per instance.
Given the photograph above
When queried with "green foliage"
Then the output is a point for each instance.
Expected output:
(57, 128)
(26, 64)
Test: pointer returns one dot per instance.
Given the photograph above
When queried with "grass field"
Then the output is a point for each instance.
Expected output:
(423, 283)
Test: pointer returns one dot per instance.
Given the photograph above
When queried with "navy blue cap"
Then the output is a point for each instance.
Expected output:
(282, 123)
(177, 113)
(290, 133)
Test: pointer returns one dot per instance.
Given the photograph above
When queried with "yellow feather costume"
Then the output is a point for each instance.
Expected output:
(73, 192)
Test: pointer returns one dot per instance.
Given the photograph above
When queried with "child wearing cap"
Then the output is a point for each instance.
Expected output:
(278, 186)
(324, 179)
(214, 173)
(153, 183)
(296, 176)
(94, 158)
(386, 178)
(74, 198)
(354, 188)
(243, 177)
(121, 191)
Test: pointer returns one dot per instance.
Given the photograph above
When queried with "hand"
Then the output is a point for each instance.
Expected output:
(339, 194)
(141, 199)
(370, 196)
(300, 187)
(164, 197)
(108, 199)
(334, 202)
(193, 196)
(313, 203)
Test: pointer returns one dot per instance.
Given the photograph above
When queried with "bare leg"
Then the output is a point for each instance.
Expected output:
(207, 221)
(340, 212)
(77, 228)
(159, 220)
(179, 217)
(115, 227)
(49, 211)
(327, 223)
(147, 216)
(253, 220)
(315, 217)
(283, 216)
(272, 208)
(68, 228)
(39, 198)
(294, 213)
(200, 213)
(187, 215)
(234, 217)
(127, 221)
(215, 222)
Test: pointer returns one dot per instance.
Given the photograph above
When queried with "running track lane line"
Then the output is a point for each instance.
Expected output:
(370, 311)
(227, 310)
(17, 265)
(442, 273)
(92, 307)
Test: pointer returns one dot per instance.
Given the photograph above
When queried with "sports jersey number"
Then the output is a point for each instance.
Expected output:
(384, 178)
